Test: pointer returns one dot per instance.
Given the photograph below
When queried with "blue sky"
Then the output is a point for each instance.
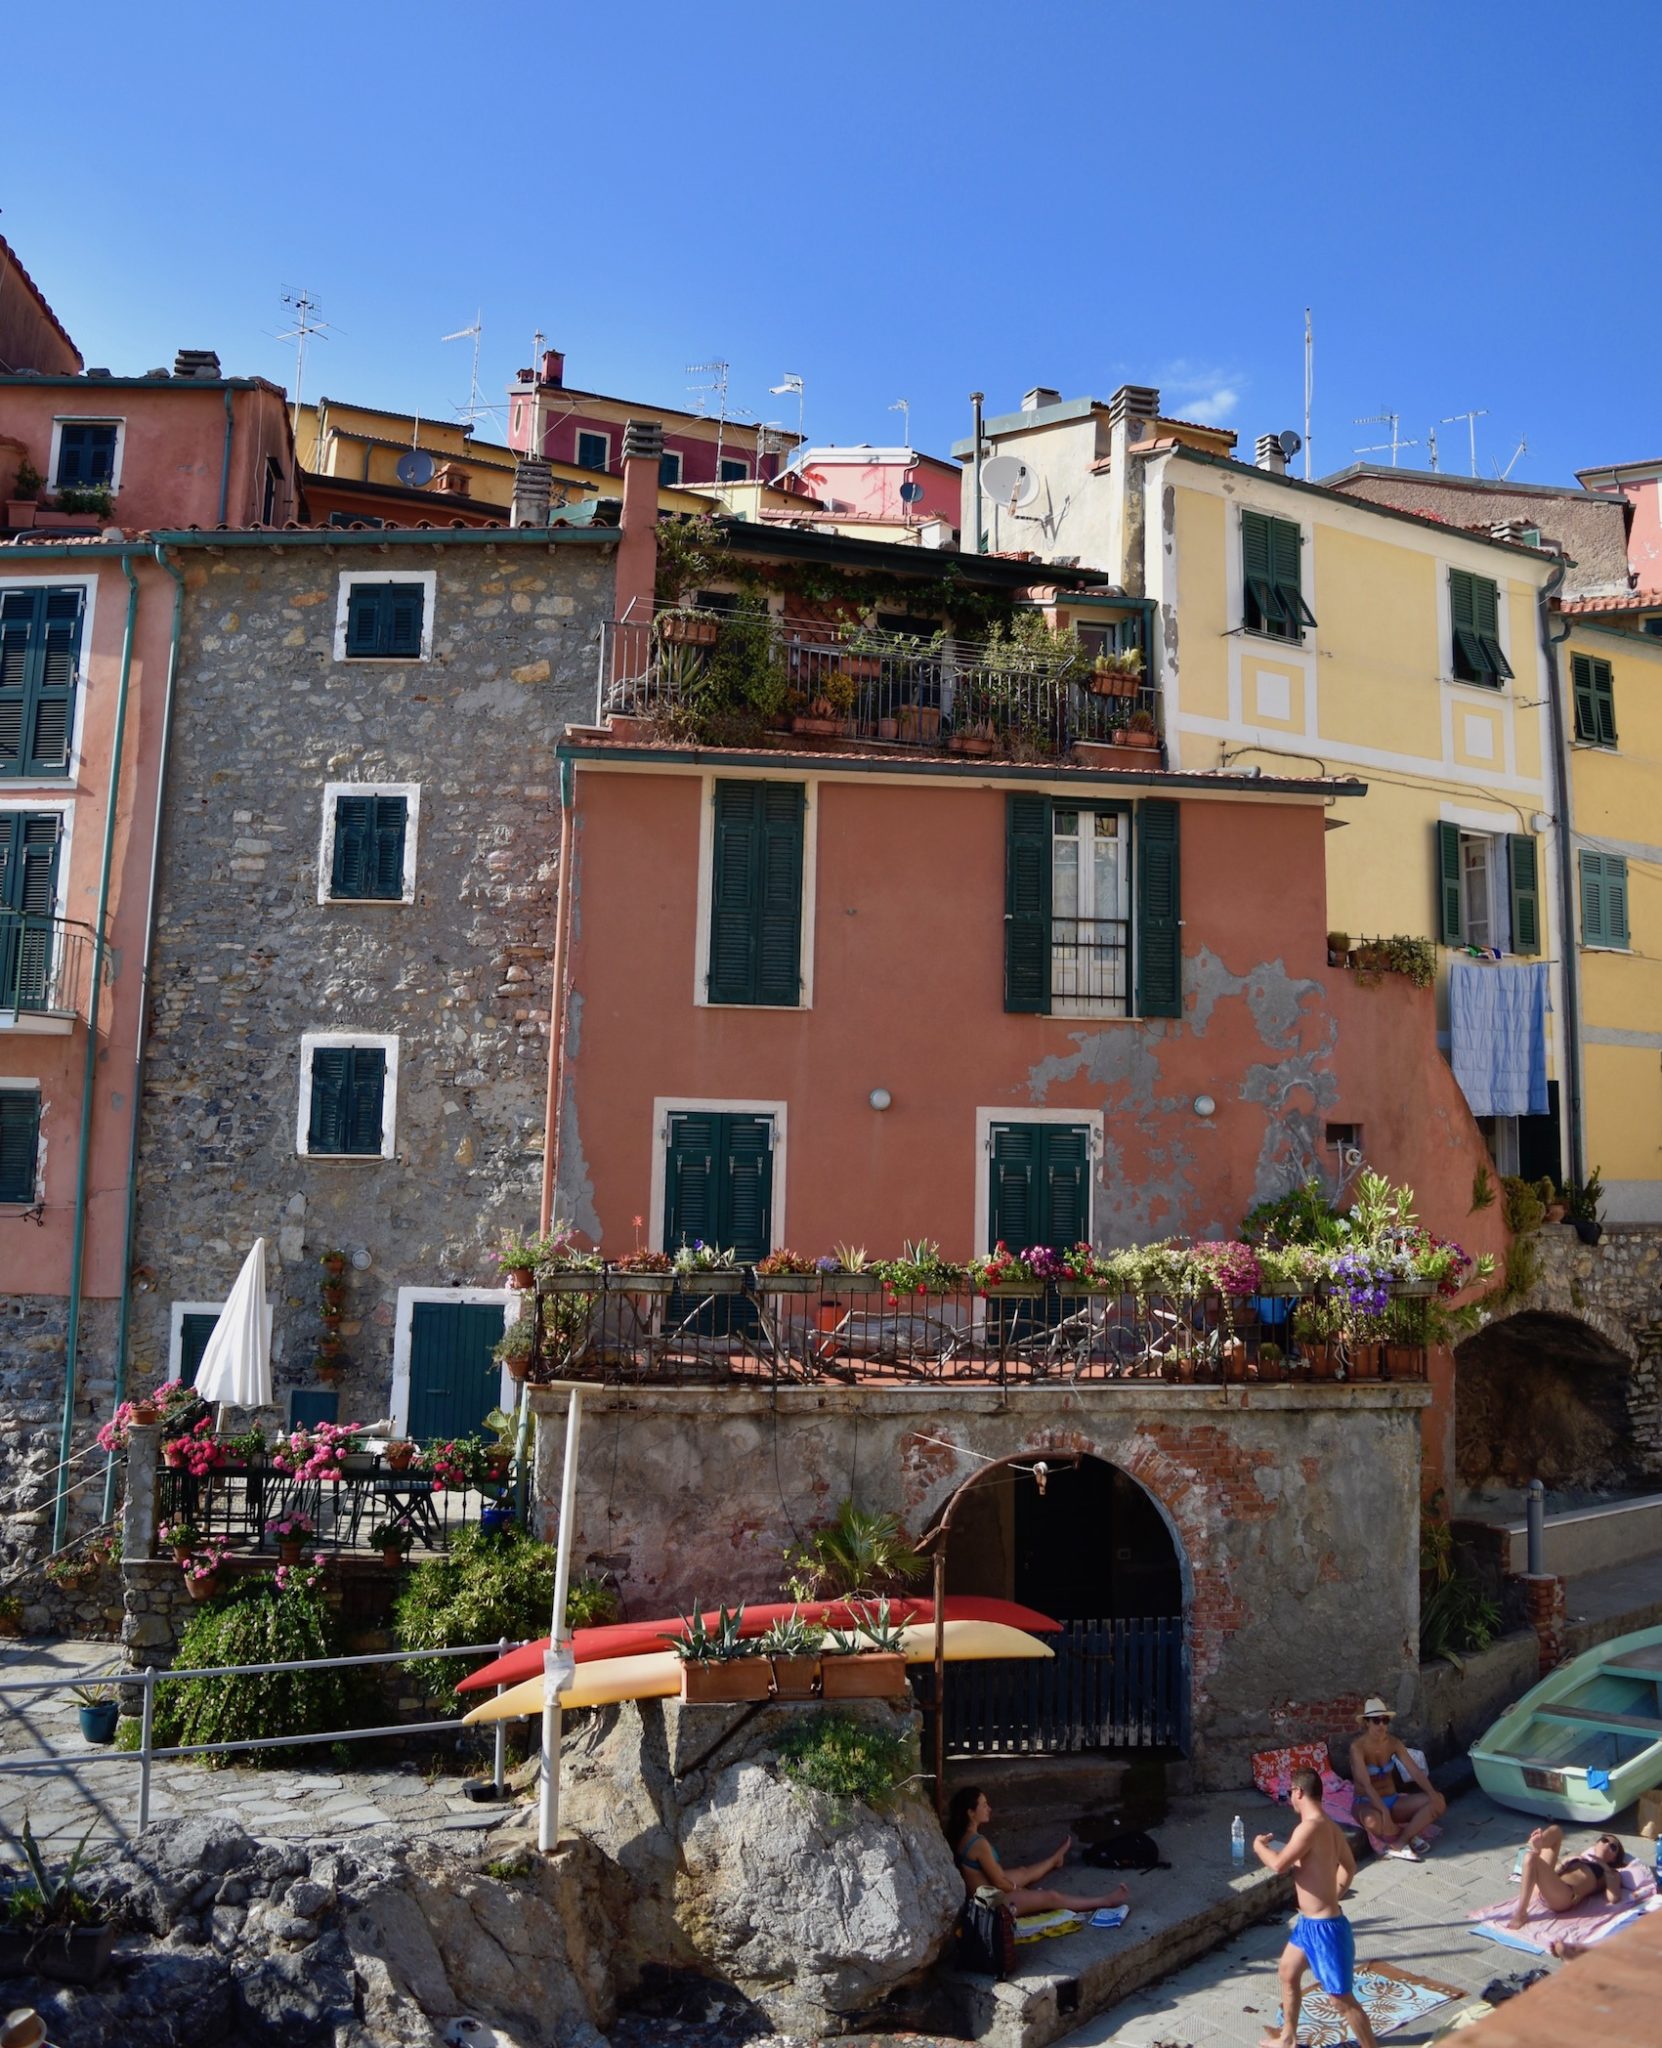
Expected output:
(901, 200)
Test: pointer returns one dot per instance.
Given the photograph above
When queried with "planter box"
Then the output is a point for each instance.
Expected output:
(787, 1283)
(1138, 742)
(795, 1678)
(646, 1283)
(1014, 1290)
(570, 1283)
(851, 1283)
(689, 632)
(977, 744)
(1413, 1289)
(872, 1675)
(716, 1280)
(918, 722)
(631, 730)
(21, 512)
(728, 1683)
(1113, 682)
(1104, 754)
(73, 1955)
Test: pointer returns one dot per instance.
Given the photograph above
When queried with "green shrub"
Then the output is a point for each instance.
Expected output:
(847, 1762)
(256, 1624)
(484, 1588)
(1525, 1210)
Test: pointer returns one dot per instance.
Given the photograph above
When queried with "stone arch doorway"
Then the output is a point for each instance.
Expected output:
(1541, 1395)
(1094, 1550)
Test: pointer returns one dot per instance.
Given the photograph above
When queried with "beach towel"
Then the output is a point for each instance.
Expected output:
(1594, 1920)
(1041, 1926)
(1391, 1998)
(1272, 1773)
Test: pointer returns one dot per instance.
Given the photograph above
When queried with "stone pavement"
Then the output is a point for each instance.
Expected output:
(1413, 1915)
(316, 1798)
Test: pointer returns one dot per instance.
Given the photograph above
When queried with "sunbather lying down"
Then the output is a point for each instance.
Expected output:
(1023, 1890)
(1566, 1885)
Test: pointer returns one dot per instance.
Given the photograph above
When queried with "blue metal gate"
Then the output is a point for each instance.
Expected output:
(1119, 1684)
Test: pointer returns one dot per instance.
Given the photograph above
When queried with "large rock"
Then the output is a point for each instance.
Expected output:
(730, 1868)
(233, 1943)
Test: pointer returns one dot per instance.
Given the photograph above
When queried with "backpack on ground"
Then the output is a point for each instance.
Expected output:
(1130, 1849)
(985, 1940)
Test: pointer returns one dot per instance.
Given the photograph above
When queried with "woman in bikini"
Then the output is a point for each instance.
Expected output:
(1024, 1890)
(1565, 1885)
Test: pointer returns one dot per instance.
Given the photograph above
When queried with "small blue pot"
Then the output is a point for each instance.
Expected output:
(98, 1722)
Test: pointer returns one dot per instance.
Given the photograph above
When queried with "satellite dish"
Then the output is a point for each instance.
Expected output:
(415, 468)
(910, 493)
(1009, 482)
(1289, 443)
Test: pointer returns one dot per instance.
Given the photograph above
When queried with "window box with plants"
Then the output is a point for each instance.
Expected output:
(685, 627)
(847, 1270)
(564, 1268)
(47, 1927)
(1008, 1274)
(645, 1272)
(702, 1268)
(867, 1663)
(787, 1272)
(1138, 731)
(792, 1647)
(920, 1269)
(719, 1667)
(1116, 675)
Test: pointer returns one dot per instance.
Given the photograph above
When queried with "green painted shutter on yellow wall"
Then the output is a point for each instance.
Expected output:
(1523, 880)
(1451, 921)
(1595, 700)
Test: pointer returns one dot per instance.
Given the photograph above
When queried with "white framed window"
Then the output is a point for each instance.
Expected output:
(367, 852)
(348, 1095)
(669, 469)
(670, 1115)
(86, 451)
(385, 615)
(719, 817)
(189, 1326)
(594, 451)
(1090, 912)
(22, 1150)
(1485, 905)
(403, 1344)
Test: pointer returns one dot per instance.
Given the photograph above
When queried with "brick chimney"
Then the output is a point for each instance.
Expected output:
(1267, 454)
(637, 555)
(531, 492)
(1132, 412)
(554, 366)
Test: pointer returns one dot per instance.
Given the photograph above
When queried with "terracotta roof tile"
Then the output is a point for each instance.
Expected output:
(40, 299)
(1621, 601)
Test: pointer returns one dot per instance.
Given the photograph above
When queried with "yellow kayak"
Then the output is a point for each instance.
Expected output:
(657, 1674)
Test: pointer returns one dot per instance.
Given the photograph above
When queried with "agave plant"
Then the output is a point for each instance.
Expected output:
(49, 1901)
(860, 1552)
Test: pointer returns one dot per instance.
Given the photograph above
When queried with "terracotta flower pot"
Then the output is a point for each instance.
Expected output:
(1269, 1371)
(521, 1278)
(726, 1682)
(1127, 738)
(400, 1456)
(204, 1589)
(1364, 1362)
(145, 1413)
(173, 1454)
(1555, 1212)
(871, 1675)
(518, 1364)
(1234, 1361)
(392, 1556)
(918, 722)
(289, 1553)
(795, 1678)
(1320, 1357)
(334, 1265)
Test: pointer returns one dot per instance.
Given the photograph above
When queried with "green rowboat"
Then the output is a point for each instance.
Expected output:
(1586, 1741)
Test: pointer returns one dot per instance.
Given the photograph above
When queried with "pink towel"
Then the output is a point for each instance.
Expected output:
(1591, 1921)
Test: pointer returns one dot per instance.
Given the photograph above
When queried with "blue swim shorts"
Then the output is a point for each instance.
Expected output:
(1330, 1949)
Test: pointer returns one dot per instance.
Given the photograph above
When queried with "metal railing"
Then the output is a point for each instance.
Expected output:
(146, 1682)
(877, 690)
(1089, 963)
(45, 965)
(621, 1328)
(232, 1504)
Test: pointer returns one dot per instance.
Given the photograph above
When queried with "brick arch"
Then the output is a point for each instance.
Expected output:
(1541, 1394)
(1549, 1299)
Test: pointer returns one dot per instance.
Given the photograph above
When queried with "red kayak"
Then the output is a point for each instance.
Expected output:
(639, 1638)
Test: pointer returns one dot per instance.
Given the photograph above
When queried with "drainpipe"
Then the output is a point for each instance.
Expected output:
(1566, 878)
(975, 466)
(557, 1016)
(77, 1256)
(225, 458)
(124, 1322)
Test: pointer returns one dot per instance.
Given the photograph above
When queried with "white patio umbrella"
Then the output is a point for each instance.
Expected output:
(236, 1365)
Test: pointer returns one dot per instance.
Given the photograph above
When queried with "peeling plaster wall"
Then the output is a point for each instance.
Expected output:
(910, 999)
(1294, 1511)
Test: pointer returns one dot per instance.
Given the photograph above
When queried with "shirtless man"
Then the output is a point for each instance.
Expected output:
(1394, 1797)
(1319, 1858)
(1565, 1885)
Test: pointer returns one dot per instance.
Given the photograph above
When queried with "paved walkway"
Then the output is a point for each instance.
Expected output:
(316, 1798)
(1413, 1915)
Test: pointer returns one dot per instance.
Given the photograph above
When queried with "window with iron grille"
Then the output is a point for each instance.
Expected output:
(40, 659)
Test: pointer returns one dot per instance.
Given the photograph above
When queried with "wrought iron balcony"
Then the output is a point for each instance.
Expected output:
(45, 971)
(708, 675)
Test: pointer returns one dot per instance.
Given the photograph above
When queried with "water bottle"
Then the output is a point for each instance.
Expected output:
(1659, 1860)
(1237, 1843)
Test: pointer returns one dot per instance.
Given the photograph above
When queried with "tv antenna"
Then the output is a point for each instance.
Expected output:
(1393, 420)
(904, 407)
(305, 309)
(1309, 385)
(1453, 419)
(1431, 447)
(789, 383)
(1521, 449)
(475, 404)
(716, 371)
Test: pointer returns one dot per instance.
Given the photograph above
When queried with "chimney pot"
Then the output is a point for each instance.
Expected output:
(643, 438)
(532, 489)
(1267, 454)
(553, 366)
(1041, 394)
(196, 362)
(1134, 402)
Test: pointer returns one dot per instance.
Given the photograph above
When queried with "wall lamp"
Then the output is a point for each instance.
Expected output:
(880, 1098)
(1205, 1106)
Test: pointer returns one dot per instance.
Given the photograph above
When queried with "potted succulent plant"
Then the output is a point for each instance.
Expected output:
(793, 1646)
(867, 1663)
(645, 1271)
(707, 1269)
(99, 1709)
(513, 1348)
(393, 1541)
(1581, 1205)
(562, 1268)
(685, 627)
(787, 1272)
(1116, 675)
(50, 1928)
(1137, 731)
(718, 1665)
(847, 1270)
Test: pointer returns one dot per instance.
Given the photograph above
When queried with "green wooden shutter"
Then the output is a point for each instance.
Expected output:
(1526, 892)
(1603, 899)
(1595, 700)
(1262, 608)
(392, 815)
(19, 1143)
(29, 844)
(354, 831)
(733, 892)
(40, 643)
(1014, 1168)
(401, 612)
(1467, 654)
(745, 1219)
(194, 1331)
(363, 620)
(691, 1180)
(779, 895)
(1615, 899)
(1451, 918)
(1027, 858)
(1159, 911)
(1287, 574)
(327, 1129)
(1486, 616)
(1066, 1216)
(365, 1093)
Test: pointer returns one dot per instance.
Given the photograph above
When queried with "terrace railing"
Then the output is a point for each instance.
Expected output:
(232, 1505)
(662, 1330)
(879, 690)
(45, 966)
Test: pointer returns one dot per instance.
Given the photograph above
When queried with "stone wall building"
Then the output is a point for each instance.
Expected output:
(350, 989)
